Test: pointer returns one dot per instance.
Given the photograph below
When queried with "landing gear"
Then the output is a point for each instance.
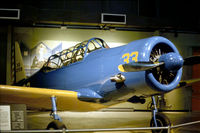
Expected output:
(158, 119)
(161, 121)
(57, 123)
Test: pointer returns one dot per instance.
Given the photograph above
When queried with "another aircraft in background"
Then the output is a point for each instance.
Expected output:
(92, 76)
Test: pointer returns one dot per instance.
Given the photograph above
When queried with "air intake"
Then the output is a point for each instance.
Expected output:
(107, 18)
(9, 13)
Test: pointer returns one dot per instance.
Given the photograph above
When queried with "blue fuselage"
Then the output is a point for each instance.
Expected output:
(96, 69)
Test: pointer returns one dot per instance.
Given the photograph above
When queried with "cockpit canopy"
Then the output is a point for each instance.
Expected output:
(73, 54)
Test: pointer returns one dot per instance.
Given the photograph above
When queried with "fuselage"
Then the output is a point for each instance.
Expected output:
(96, 69)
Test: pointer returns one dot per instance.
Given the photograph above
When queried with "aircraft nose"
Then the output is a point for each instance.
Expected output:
(173, 61)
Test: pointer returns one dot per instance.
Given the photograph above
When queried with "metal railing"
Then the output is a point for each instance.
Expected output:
(168, 128)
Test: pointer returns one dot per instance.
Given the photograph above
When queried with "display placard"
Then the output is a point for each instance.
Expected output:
(18, 119)
(5, 123)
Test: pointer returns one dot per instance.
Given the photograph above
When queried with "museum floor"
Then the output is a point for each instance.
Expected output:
(77, 120)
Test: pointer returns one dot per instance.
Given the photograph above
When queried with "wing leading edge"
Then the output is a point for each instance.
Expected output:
(40, 98)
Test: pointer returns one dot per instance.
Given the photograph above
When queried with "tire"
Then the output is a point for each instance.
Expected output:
(162, 121)
(56, 124)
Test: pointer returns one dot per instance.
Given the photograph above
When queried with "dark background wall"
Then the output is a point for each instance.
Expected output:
(3, 49)
(176, 14)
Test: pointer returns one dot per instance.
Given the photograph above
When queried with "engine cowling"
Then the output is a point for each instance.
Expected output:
(166, 77)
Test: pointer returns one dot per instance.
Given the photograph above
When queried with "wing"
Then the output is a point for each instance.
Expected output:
(40, 98)
(185, 83)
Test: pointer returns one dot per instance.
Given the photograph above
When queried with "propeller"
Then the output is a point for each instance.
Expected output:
(187, 82)
(139, 66)
(163, 64)
(192, 60)
(171, 61)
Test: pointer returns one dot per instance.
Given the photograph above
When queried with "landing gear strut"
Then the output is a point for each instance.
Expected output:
(158, 119)
(57, 123)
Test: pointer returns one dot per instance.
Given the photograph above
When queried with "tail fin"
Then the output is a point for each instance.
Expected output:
(19, 65)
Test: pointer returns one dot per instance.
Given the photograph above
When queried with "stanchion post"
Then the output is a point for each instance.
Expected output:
(169, 129)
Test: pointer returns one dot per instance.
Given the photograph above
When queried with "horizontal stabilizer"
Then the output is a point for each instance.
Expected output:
(138, 66)
(192, 60)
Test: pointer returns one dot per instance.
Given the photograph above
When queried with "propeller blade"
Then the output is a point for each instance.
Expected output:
(138, 66)
(187, 82)
(192, 60)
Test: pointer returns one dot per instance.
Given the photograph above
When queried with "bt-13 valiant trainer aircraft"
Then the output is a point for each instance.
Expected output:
(91, 76)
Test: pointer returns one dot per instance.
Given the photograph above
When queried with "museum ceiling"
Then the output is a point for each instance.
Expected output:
(141, 14)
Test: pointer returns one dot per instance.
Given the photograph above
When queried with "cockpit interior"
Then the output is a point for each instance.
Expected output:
(73, 54)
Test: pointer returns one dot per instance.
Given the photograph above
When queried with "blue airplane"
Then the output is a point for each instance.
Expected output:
(90, 76)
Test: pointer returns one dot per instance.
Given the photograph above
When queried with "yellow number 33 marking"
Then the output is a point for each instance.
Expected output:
(133, 55)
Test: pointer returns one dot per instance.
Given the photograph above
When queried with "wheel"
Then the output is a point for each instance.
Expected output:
(56, 124)
(162, 121)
